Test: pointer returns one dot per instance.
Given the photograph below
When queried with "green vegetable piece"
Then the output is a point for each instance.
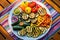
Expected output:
(26, 24)
(16, 11)
(18, 27)
(16, 23)
(29, 29)
(22, 32)
(29, 34)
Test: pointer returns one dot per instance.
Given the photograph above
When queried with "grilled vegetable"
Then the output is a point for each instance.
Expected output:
(28, 10)
(16, 11)
(26, 24)
(29, 34)
(21, 23)
(22, 32)
(23, 5)
(16, 23)
(32, 15)
(25, 16)
(32, 4)
(42, 11)
(36, 32)
(28, 20)
(34, 10)
(29, 29)
(17, 27)
(40, 20)
(37, 14)
(34, 20)
(43, 29)
(14, 19)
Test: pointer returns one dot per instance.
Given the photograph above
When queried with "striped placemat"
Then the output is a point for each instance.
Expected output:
(55, 18)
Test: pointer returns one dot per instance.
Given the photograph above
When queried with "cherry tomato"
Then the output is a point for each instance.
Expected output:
(38, 6)
(32, 4)
(34, 10)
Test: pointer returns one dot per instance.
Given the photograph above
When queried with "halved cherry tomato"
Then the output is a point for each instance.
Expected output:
(34, 10)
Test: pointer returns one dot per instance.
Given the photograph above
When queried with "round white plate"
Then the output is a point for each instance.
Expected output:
(25, 37)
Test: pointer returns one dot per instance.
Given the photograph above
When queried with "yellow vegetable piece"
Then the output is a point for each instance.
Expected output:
(32, 24)
(38, 23)
(28, 10)
(42, 11)
(24, 4)
(40, 20)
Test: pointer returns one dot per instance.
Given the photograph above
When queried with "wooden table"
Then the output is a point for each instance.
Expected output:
(4, 35)
(55, 4)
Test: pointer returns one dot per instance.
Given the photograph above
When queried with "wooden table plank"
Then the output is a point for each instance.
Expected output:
(4, 34)
(55, 4)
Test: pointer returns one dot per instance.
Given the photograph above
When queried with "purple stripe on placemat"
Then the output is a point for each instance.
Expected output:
(48, 6)
(53, 31)
(14, 36)
(4, 22)
(56, 21)
(52, 11)
(55, 13)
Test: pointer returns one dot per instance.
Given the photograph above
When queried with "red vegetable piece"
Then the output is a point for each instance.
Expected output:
(32, 4)
(34, 10)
